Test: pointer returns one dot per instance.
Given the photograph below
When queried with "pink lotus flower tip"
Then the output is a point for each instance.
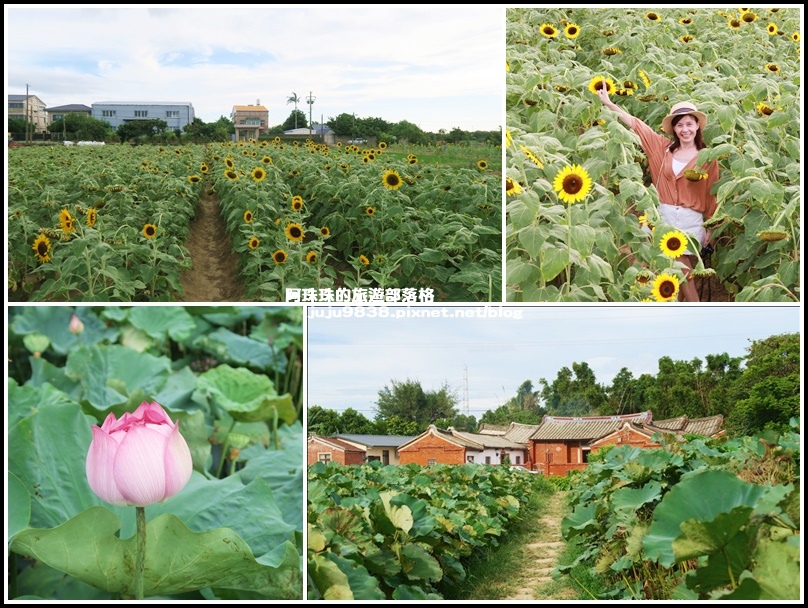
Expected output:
(140, 459)
(76, 326)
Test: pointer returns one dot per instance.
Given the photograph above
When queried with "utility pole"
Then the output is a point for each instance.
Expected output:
(27, 114)
(310, 101)
(466, 390)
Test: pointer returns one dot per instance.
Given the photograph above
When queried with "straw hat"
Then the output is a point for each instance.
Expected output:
(680, 109)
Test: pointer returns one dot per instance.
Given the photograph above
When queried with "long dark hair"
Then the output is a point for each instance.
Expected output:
(698, 139)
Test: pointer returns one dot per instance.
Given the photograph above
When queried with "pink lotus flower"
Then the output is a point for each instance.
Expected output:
(76, 326)
(140, 459)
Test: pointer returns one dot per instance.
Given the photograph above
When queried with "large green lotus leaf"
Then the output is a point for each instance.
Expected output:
(177, 559)
(581, 518)
(246, 396)
(315, 540)
(280, 335)
(719, 493)
(230, 347)
(47, 451)
(717, 572)
(336, 521)
(633, 499)
(24, 401)
(44, 582)
(422, 522)
(160, 322)
(19, 505)
(409, 592)
(54, 322)
(111, 374)
(136, 339)
(417, 563)
(176, 394)
(776, 575)
(44, 372)
(363, 586)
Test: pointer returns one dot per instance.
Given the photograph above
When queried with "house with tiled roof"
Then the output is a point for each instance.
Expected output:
(250, 121)
(383, 448)
(333, 449)
(563, 444)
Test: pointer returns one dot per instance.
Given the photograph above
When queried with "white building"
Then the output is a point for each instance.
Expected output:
(116, 113)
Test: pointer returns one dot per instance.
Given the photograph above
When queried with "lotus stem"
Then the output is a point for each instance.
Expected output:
(140, 551)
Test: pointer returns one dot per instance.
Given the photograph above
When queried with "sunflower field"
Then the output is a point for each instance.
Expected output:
(111, 223)
(308, 216)
(582, 221)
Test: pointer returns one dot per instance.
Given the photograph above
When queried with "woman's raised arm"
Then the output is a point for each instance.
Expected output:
(603, 93)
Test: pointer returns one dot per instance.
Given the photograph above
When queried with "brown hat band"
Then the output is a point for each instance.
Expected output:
(683, 111)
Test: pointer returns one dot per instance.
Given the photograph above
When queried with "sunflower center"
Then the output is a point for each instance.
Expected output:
(572, 184)
(294, 231)
(42, 248)
(573, 30)
(674, 244)
(667, 289)
(392, 180)
(149, 230)
(548, 30)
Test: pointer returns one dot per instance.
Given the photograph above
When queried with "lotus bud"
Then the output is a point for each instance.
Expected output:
(140, 459)
(76, 326)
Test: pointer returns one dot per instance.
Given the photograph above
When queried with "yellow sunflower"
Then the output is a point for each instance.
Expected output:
(258, 174)
(324, 231)
(685, 21)
(297, 202)
(511, 187)
(673, 244)
(532, 157)
(382, 145)
(67, 221)
(612, 50)
(764, 109)
(92, 217)
(149, 231)
(652, 16)
(548, 30)
(391, 180)
(267, 160)
(508, 138)
(41, 248)
(231, 175)
(646, 81)
(795, 36)
(572, 184)
(482, 165)
(773, 68)
(597, 83)
(194, 179)
(748, 17)
(294, 232)
(253, 243)
(229, 163)
(412, 161)
(666, 288)
(311, 257)
(686, 38)
(279, 257)
(248, 216)
(572, 30)
(735, 24)
(772, 29)
(364, 260)
(203, 168)
(370, 211)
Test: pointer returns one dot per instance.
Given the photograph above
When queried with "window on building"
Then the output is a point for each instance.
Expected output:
(385, 456)
(254, 122)
(324, 457)
(431, 461)
(518, 460)
(487, 460)
(57, 117)
(469, 458)
(172, 113)
(141, 113)
(16, 106)
(108, 113)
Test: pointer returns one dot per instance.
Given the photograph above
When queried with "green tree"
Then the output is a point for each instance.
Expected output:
(295, 100)
(768, 390)
(322, 421)
(81, 127)
(294, 118)
(405, 131)
(343, 124)
(137, 128)
(351, 421)
(409, 401)
(574, 392)
(19, 125)
(396, 425)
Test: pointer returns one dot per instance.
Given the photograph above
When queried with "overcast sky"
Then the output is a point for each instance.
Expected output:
(349, 360)
(434, 65)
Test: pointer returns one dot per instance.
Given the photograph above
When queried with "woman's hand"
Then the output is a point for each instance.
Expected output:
(603, 92)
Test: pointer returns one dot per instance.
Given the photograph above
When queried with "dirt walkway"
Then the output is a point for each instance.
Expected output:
(541, 558)
(213, 276)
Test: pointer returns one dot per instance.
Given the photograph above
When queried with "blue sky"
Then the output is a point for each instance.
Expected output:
(349, 359)
(433, 65)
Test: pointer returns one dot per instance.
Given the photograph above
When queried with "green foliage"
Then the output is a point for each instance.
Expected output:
(251, 507)
(409, 401)
(296, 120)
(401, 532)
(637, 523)
(77, 126)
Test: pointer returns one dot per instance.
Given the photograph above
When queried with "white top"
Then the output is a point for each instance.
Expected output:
(677, 166)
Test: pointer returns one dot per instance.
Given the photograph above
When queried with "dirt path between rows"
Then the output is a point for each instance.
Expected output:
(213, 276)
(541, 557)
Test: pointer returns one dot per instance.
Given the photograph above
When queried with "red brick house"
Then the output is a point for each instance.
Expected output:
(563, 444)
(332, 449)
(449, 446)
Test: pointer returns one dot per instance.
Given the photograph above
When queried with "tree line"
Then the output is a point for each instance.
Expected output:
(758, 391)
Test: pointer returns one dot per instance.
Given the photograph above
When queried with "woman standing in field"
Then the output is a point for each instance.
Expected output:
(684, 193)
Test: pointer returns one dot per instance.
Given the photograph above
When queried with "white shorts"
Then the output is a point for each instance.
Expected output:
(686, 220)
